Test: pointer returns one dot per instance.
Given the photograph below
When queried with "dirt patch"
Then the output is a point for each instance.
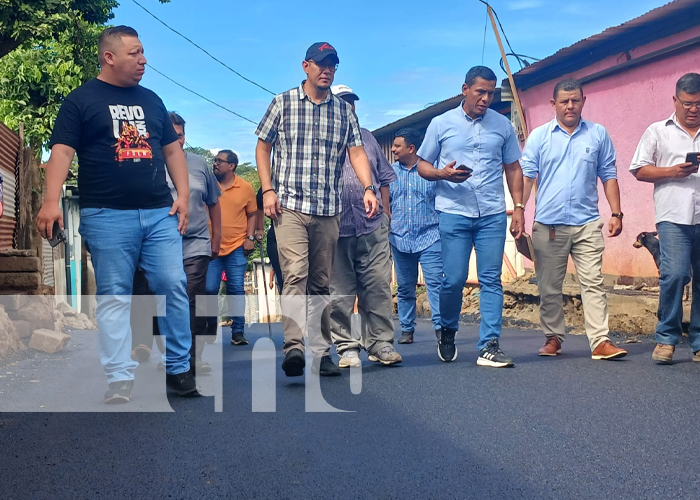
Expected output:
(632, 309)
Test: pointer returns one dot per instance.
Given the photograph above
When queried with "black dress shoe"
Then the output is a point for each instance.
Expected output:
(325, 367)
(294, 363)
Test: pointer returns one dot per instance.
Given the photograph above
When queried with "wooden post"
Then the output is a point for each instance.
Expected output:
(510, 75)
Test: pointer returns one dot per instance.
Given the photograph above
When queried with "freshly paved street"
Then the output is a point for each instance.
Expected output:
(550, 428)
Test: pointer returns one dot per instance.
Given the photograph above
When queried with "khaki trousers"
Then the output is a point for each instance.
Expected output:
(306, 247)
(362, 267)
(585, 244)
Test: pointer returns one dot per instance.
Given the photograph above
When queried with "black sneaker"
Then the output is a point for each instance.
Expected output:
(447, 350)
(406, 338)
(325, 367)
(238, 338)
(492, 356)
(183, 384)
(294, 363)
(119, 392)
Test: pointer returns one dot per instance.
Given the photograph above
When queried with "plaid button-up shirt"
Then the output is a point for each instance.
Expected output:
(309, 146)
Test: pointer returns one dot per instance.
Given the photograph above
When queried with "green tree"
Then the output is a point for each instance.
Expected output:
(204, 153)
(22, 21)
(36, 77)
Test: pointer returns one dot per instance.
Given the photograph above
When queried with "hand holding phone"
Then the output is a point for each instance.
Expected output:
(692, 158)
(57, 235)
(464, 167)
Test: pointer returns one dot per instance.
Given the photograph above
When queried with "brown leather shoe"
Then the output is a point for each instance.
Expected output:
(552, 346)
(696, 356)
(607, 350)
(663, 354)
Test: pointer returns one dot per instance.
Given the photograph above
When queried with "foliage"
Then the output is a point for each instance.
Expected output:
(36, 77)
(22, 21)
(204, 153)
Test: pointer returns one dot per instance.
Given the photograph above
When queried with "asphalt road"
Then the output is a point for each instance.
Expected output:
(550, 428)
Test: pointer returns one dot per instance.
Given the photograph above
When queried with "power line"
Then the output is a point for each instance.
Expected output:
(202, 49)
(522, 60)
(202, 97)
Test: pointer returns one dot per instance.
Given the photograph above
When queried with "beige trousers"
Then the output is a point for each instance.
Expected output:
(585, 244)
(306, 246)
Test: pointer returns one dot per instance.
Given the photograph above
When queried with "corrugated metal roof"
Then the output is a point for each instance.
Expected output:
(661, 22)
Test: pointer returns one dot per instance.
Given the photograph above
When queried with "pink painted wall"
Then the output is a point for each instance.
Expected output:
(625, 104)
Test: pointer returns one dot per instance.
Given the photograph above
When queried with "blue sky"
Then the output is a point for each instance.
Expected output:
(398, 55)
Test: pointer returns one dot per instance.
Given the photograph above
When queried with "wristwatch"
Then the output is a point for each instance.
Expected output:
(371, 188)
(519, 205)
(619, 215)
(251, 238)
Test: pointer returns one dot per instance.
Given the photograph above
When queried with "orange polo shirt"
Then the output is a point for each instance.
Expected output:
(237, 202)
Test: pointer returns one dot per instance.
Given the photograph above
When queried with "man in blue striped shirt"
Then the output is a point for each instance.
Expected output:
(568, 155)
(414, 236)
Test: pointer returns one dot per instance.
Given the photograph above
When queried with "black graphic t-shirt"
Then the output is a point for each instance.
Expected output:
(118, 133)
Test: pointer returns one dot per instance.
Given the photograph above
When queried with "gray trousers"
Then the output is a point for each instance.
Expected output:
(362, 267)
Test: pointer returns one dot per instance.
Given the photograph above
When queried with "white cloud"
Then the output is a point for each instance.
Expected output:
(525, 4)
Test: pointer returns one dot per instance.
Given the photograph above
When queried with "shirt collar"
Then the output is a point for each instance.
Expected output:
(414, 166)
(461, 108)
(554, 124)
(303, 95)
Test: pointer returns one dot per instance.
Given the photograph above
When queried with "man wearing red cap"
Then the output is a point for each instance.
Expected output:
(311, 132)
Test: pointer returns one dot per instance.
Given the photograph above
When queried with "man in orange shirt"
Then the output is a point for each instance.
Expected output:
(238, 209)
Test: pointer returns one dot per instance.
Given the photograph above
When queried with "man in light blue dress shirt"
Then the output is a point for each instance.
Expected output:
(466, 151)
(414, 236)
(567, 156)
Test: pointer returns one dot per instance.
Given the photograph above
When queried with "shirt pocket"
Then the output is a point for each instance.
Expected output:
(587, 152)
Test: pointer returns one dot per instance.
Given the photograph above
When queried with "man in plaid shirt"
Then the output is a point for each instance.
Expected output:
(310, 132)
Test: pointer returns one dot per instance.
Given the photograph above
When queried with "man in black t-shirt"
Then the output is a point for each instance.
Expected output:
(125, 140)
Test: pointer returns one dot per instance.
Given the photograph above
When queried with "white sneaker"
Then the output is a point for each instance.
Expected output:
(351, 357)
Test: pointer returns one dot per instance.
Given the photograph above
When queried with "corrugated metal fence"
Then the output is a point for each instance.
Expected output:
(9, 168)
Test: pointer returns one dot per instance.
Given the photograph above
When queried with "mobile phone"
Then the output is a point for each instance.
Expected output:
(463, 167)
(692, 158)
(58, 235)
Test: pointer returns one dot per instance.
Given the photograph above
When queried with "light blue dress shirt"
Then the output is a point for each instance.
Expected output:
(414, 221)
(485, 145)
(568, 167)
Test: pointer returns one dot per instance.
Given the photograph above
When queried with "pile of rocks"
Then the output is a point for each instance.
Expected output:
(39, 321)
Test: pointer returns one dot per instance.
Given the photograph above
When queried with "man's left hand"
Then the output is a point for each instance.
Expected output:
(181, 207)
(614, 227)
(371, 204)
(517, 223)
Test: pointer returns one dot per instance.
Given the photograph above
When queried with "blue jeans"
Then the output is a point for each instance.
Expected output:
(234, 264)
(680, 251)
(119, 241)
(487, 235)
(406, 266)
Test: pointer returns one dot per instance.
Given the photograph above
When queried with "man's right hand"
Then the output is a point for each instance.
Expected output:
(451, 174)
(682, 170)
(49, 214)
(271, 205)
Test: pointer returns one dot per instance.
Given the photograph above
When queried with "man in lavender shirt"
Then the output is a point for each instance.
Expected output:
(362, 263)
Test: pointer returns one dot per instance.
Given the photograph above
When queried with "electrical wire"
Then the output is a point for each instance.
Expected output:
(202, 97)
(523, 60)
(202, 49)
